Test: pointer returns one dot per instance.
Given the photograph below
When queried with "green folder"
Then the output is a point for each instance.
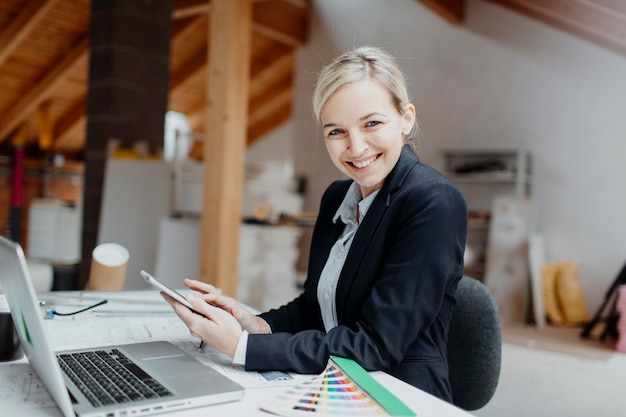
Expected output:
(392, 404)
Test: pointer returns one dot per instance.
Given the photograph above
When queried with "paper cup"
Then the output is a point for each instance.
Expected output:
(108, 267)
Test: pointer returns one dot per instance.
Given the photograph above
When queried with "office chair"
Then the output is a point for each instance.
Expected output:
(474, 345)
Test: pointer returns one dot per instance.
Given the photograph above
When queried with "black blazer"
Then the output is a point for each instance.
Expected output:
(395, 293)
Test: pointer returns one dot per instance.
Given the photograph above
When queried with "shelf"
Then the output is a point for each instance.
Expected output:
(488, 166)
(490, 177)
(482, 174)
(481, 152)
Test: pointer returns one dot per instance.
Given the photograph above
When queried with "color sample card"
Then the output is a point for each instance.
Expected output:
(331, 393)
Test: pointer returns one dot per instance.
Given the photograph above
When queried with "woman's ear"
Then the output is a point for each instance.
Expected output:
(409, 118)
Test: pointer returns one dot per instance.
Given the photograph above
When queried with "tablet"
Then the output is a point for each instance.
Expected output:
(167, 290)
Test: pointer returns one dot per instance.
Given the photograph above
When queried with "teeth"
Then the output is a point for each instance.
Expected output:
(365, 163)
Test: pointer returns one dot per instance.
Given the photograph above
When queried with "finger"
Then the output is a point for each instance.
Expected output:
(219, 300)
(209, 311)
(200, 286)
(182, 311)
(220, 329)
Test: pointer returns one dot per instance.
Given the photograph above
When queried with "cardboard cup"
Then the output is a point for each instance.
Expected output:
(108, 267)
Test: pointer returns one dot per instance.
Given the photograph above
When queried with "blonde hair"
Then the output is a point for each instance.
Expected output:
(365, 62)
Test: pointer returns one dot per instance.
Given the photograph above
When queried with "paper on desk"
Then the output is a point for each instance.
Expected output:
(86, 330)
(21, 388)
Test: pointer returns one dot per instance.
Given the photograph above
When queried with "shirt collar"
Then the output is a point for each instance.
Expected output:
(353, 199)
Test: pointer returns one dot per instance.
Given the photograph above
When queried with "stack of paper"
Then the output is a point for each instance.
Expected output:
(267, 265)
(267, 252)
(270, 184)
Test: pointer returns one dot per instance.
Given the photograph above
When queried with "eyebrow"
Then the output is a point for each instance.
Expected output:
(367, 116)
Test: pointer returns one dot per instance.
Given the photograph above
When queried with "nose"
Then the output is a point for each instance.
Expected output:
(357, 144)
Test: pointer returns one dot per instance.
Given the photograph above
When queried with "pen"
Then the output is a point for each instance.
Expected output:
(201, 346)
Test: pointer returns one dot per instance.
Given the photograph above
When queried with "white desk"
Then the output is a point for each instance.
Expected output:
(22, 394)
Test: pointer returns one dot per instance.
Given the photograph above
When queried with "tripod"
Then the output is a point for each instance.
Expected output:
(613, 318)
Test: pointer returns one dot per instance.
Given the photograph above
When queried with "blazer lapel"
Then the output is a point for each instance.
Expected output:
(367, 229)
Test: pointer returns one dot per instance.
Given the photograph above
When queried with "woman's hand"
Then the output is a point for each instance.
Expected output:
(247, 320)
(215, 326)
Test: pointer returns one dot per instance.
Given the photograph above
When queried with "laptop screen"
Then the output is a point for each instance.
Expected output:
(21, 298)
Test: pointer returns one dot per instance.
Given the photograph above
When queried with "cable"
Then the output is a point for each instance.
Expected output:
(50, 312)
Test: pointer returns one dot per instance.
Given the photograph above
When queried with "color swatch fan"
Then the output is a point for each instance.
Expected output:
(344, 388)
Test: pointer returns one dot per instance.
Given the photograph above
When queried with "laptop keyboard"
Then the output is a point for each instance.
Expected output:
(108, 377)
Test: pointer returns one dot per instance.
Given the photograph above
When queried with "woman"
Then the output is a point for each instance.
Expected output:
(386, 252)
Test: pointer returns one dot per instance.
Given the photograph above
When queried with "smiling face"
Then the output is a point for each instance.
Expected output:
(364, 132)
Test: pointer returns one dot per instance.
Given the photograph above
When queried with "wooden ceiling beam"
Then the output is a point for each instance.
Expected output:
(265, 125)
(68, 125)
(277, 69)
(269, 105)
(188, 8)
(266, 84)
(191, 68)
(270, 108)
(181, 28)
(282, 20)
(194, 65)
(599, 21)
(41, 91)
(452, 11)
(27, 19)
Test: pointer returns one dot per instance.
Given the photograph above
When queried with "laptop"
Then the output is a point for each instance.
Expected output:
(163, 377)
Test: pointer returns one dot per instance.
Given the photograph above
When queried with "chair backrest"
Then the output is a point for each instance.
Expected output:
(474, 345)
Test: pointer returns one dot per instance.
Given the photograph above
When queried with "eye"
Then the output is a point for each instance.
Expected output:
(372, 123)
(334, 132)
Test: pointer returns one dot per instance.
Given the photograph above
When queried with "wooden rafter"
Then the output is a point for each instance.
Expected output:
(281, 20)
(189, 69)
(188, 8)
(600, 21)
(267, 76)
(266, 83)
(41, 91)
(268, 111)
(69, 123)
(270, 105)
(271, 95)
(28, 18)
(451, 10)
(181, 28)
(265, 125)
(284, 21)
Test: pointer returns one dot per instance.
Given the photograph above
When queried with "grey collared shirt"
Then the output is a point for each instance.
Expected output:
(327, 285)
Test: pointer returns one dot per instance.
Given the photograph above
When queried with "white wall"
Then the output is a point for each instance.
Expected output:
(136, 196)
(498, 80)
